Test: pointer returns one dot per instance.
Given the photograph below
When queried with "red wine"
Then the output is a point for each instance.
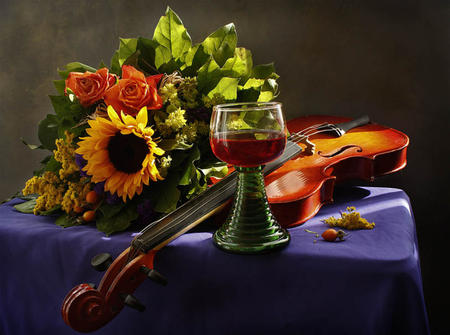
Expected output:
(248, 147)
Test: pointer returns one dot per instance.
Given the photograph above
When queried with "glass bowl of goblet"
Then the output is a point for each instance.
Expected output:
(249, 135)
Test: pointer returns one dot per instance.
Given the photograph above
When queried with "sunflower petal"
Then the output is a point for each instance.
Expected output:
(113, 116)
(142, 117)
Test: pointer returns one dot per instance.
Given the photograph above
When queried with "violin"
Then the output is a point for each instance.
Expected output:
(298, 189)
(321, 151)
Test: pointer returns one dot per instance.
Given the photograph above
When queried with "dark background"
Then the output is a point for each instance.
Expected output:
(388, 59)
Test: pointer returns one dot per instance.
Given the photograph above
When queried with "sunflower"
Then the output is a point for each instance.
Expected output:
(121, 152)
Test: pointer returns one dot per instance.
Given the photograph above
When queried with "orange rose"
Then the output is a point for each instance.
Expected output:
(134, 92)
(90, 87)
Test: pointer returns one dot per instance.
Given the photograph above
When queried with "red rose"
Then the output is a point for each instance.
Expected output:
(134, 91)
(90, 87)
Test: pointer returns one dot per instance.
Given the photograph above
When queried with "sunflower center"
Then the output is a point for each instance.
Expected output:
(127, 152)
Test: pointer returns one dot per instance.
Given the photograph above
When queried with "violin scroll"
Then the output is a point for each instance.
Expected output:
(86, 309)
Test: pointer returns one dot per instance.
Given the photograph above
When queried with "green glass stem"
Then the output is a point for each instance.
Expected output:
(251, 226)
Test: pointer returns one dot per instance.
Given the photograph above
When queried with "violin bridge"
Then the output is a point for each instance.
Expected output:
(310, 146)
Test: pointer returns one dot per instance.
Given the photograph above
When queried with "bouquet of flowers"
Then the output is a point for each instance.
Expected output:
(129, 142)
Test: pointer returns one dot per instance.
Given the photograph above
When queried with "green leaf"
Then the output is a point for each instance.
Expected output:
(48, 131)
(250, 94)
(166, 194)
(26, 207)
(246, 57)
(254, 83)
(169, 67)
(127, 47)
(265, 71)
(194, 59)
(224, 53)
(65, 221)
(102, 65)
(52, 165)
(32, 146)
(216, 169)
(146, 59)
(116, 218)
(75, 67)
(60, 86)
(209, 76)
(268, 91)
(233, 67)
(171, 144)
(171, 34)
(221, 43)
(189, 168)
(116, 68)
(51, 210)
(162, 56)
(227, 87)
(178, 156)
(61, 105)
(197, 185)
(133, 60)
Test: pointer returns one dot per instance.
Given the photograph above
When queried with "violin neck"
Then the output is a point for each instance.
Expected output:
(190, 214)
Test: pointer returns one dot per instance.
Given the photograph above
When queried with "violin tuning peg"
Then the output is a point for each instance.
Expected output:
(131, 301)
(101, 262)
(154, 276)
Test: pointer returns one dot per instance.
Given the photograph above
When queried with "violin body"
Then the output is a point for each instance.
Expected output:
(298, 189)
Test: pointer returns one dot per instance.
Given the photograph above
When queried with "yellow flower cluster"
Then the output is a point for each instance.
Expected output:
(65, 154)
(236, 123)
(64, 188)
(173, 123)
(176, 120)
(351, 220)
(164, 165)
(216, 99)
(188, 89)
(49, 187)
(194, 129)
(75, 195)
(169, 93)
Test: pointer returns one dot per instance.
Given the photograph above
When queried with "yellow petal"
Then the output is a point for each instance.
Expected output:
(128, 183)
(114, 182)
(113, 116)
(102, 143)
(129, 120)
(100, 157)
(142, 117)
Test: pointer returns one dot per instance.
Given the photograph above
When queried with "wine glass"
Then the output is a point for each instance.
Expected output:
(249, 135)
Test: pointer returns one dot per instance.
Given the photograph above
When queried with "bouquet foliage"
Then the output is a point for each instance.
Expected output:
(129, 142)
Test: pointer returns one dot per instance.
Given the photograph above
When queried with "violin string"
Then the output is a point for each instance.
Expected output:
(182, 217)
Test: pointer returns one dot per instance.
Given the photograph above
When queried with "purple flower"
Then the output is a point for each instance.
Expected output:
(112, 198)
(200, 114)
(99, 188)
(81, 163)
(146, 212)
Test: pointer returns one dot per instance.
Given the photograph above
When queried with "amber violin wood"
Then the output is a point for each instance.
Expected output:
(298, 189)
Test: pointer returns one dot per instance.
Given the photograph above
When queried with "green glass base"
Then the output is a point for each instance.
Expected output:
(251, 226)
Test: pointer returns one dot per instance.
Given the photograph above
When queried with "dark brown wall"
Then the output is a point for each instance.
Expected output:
(388, 59)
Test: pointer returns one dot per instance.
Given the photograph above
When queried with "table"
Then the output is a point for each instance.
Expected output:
(369, 284)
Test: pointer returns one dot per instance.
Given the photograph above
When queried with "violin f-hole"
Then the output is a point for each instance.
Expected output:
(340, 151)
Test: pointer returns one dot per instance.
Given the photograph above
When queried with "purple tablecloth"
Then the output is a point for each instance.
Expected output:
(369, 284)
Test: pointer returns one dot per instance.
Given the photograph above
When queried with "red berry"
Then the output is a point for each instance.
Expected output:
(330, 235)
(92, 197)
(89, 216)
